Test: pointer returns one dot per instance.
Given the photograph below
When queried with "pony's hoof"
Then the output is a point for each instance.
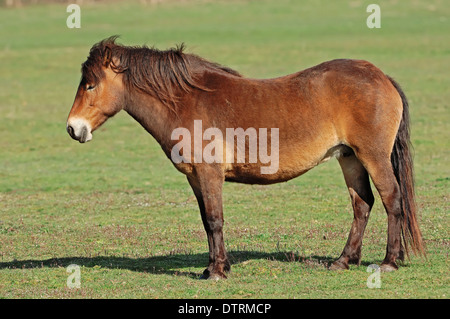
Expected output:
(213, 275)
(217, 277)
(388, 267)
(338, 265)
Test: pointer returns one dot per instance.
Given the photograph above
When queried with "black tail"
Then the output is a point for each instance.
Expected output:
(402, 163)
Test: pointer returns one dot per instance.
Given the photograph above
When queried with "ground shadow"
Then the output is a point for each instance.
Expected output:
(169, 263)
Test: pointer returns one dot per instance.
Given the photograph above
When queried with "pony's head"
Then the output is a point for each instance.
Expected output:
(113, 71)
(100, 94)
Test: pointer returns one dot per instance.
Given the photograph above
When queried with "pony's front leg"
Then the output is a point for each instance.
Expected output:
(206, 182)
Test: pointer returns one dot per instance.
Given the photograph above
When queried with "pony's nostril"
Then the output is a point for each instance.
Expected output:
(70, 131)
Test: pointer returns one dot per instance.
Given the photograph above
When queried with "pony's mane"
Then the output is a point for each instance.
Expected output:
(163, 74)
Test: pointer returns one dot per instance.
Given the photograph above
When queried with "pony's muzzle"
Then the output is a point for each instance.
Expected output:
(79, 130)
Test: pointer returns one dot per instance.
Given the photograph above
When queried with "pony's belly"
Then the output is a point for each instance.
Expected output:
(251, 174)
(289, 167)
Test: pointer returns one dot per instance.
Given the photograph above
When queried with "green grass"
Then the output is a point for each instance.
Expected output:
(116, 206)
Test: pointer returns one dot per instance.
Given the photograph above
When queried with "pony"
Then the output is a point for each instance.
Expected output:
(347, 109)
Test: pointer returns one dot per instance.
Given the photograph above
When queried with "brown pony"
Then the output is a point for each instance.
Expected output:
(347, 109)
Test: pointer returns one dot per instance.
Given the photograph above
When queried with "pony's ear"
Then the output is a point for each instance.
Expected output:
(107, 56)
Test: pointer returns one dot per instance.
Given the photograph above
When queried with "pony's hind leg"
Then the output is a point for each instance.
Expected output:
(383, 177)
(357, 180)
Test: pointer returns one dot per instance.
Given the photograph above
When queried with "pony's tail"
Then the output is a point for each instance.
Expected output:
(402, 163)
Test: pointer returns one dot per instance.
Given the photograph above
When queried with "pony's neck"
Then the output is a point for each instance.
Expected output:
(153, 115)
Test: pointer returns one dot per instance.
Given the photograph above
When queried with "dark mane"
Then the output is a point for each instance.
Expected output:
(163, 74)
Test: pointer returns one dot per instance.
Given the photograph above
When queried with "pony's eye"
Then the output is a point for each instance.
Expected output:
(90, 87)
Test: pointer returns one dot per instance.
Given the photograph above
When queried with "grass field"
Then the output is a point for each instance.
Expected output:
(119, 209)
